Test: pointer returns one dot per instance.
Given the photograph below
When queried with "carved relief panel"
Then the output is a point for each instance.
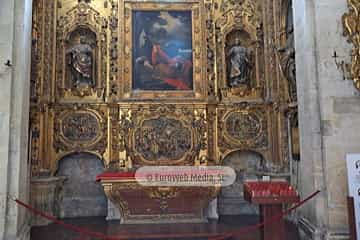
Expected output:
(163, 134)
(244, 128)
(162, 139)
(82, 128)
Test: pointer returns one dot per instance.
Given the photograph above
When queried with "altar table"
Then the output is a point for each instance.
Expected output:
(139, 204)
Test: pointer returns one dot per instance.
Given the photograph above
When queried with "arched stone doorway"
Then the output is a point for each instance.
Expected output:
(82, 195)
(231, 199)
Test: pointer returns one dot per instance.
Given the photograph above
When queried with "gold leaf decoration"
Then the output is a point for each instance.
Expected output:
(351, 23)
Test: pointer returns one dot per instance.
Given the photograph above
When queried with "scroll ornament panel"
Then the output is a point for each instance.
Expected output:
(82, 129)
(243, 129)
(163, 135)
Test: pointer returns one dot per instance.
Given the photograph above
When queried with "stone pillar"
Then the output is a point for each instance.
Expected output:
(312, 215)
(15, 46)
(6, 39)
(329, 116)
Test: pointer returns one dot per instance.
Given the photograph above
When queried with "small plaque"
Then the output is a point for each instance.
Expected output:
(353, 170)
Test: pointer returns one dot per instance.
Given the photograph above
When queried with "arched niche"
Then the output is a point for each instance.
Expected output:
(81, 22)
(82, 195)
(246, 165)
(248, 28)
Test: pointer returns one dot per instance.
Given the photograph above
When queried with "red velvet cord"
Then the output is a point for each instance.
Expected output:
(270, 220)
(98, 235)
(68, 226)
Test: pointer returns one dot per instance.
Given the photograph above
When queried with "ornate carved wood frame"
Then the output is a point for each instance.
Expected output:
(81, 16)
(199, 52)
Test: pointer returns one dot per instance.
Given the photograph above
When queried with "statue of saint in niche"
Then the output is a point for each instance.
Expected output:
(287, 60)
(288, 66)
(239, 65)
(81, 64)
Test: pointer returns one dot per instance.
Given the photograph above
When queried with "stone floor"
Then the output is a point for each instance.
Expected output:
(156, 231)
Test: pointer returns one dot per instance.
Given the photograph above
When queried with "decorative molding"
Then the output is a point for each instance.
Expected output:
(113, 88)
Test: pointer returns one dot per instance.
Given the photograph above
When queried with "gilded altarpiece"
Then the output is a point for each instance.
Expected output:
(223, 90)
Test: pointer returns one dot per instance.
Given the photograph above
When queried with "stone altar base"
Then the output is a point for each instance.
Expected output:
(140, 204)
(45, 194)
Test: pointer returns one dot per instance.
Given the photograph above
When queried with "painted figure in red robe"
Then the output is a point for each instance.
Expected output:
(175, 71)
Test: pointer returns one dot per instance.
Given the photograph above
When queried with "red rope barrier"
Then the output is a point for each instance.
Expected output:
(69, 226)
(102, 236)
(270, 220)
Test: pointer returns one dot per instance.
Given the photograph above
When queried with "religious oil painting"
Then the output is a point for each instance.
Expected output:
(162, 50)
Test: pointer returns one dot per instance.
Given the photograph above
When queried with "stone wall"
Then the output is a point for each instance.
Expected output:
(82, 196)
(329, 116)
(231, 198)
(6, 39)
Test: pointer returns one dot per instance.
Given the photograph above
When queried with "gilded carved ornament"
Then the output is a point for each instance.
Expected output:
(351, 23)
(80, 129)
(158, 134)
(112, 114)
